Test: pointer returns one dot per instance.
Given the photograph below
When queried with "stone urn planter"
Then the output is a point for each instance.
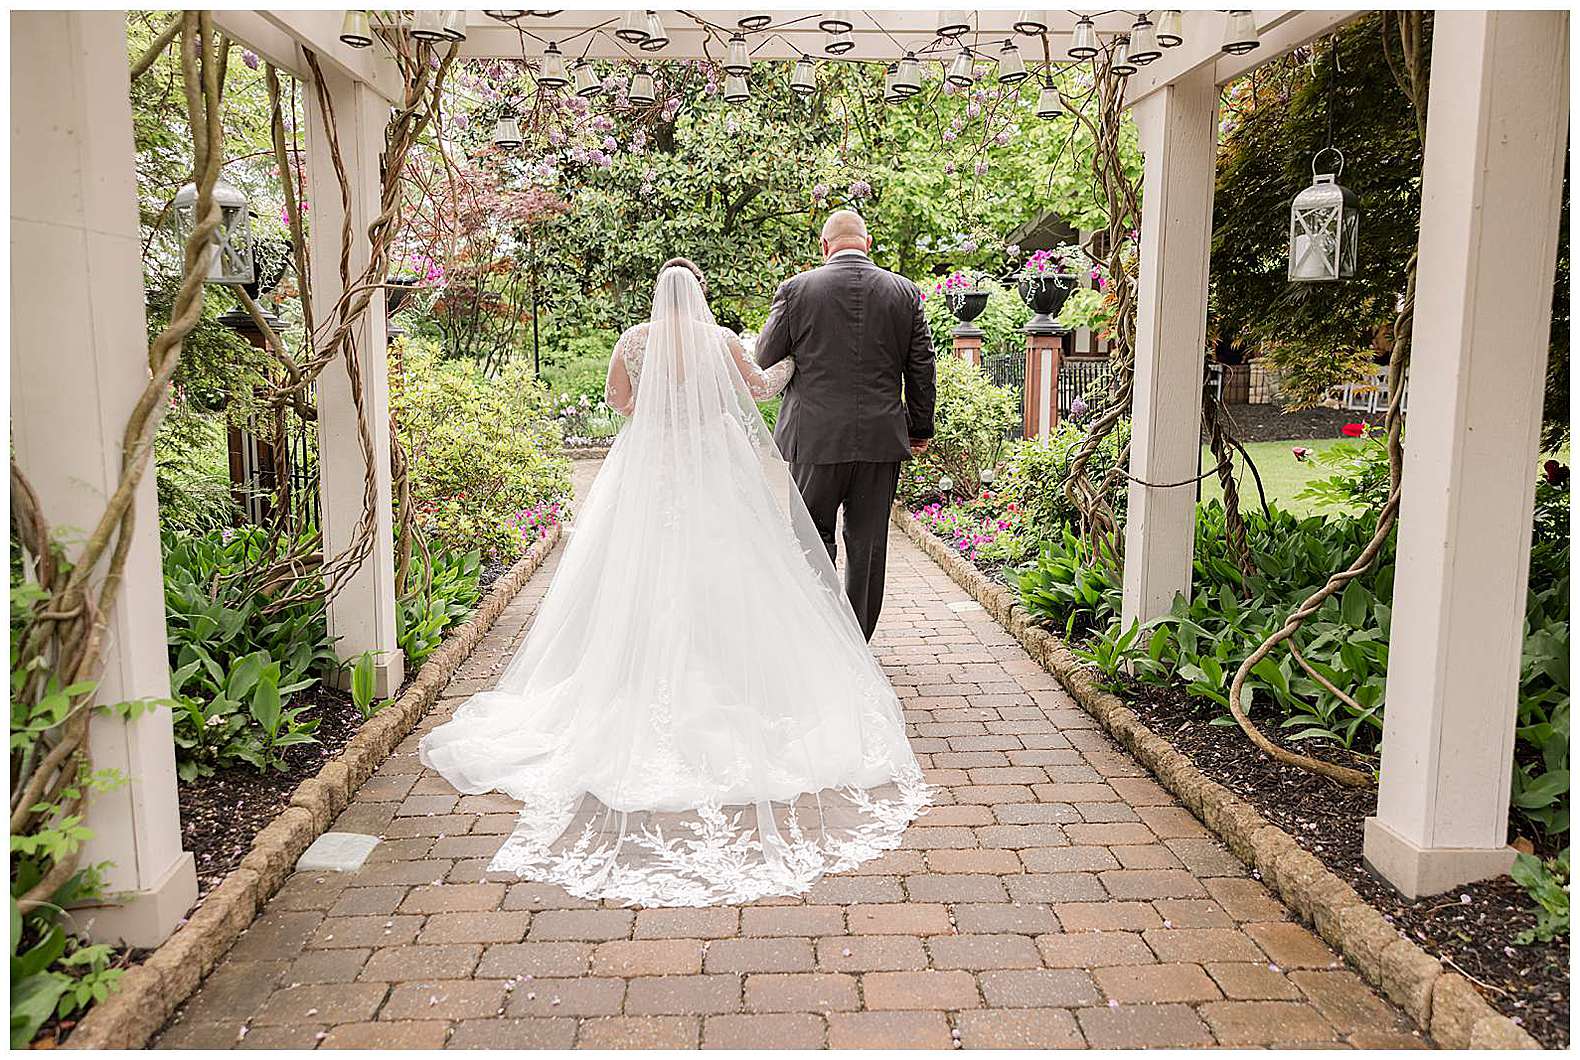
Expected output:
(966, 303)
(395, 292)
(1045, 295)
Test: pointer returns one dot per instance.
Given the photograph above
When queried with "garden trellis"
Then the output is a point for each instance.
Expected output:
(80, 413)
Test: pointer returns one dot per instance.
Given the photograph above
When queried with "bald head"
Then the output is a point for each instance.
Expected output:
(845, 230)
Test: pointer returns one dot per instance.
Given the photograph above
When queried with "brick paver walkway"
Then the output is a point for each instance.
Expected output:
(1056, 896)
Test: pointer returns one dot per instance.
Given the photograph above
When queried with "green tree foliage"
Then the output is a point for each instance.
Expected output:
(1277, 120)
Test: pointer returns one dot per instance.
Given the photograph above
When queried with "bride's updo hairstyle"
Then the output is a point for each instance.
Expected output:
(690, 266)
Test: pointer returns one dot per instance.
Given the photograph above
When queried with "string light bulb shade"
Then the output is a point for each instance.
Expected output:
(642, 91)
(803, 79)
(1171, 29)
(890, 95)
(588, 83)
(1119, 62)
(735, 89)
(836, 22)
(506, 16)
(1048, 106)
(908, 76)
(455, 26)
(633, 27)
(1240, 33)
(1144, 41)
(427, 24)
(954, 24)
(507, 134)
(1011, 67)
(1083, 41)
(962, 72)
(355, 30)
(551, 68)
(737, 60)
(755, 21)
(656, 37)
(839, 43)
(1031, 23)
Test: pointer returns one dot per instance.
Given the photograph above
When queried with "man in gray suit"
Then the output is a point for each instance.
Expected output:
(861, 399)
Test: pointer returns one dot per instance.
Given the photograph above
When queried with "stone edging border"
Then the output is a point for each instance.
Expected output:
(150, 993)
(1442, 1003)
(591, 452)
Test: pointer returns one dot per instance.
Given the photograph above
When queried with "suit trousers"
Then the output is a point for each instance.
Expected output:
(866, 491)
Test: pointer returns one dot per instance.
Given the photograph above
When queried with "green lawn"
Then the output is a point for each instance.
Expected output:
(1282, 475)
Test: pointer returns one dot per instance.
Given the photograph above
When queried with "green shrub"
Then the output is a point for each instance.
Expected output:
(437, 603)
(577, 362)
(971, 420)
(1547, 883)
(479, 450)
(234, 668)
(1034, 476)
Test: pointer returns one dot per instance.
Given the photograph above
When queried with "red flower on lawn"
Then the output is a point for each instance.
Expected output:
(1354, 430)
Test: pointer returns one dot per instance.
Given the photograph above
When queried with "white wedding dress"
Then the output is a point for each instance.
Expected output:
(695, 717)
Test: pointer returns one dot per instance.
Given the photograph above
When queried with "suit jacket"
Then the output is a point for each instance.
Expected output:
(863, 384)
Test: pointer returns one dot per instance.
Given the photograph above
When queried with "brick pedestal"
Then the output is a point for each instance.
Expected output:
(1045, 348)
(967, 343)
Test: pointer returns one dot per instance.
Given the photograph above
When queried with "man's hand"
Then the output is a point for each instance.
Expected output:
(918, 446)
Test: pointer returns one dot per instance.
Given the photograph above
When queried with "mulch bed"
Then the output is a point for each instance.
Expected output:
(1470, 929)
(1270, 423)
(221, 814)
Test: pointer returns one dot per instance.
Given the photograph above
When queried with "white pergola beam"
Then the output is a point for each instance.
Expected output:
(1491, 186)
(281, 36)
(1279, 31)
(362, 615)
(1179, 140)
(79, 363)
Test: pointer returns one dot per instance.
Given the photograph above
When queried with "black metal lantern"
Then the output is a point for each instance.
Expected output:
(1324, 225)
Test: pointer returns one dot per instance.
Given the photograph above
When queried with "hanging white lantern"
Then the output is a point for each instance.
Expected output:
(642, 91)
(735, 89)
(551, 69)
(1011, 67)
(803, 79)
(908, 78)
(633, 27)
(839, 43)
(455, 26)
(1240, 34)
(754, 21)
(656, 38)
(588, 83)
(230, 258)
(1048, 106)
(1324, 225)
(836, 22)
(507, 134)
(737, 60)
(1171, 29)
(1083, 42)
(954, 24)
(1144, 42)
(1031, 23)
(1120, 62)
(962, 73)
(428, 25)
(355, 30)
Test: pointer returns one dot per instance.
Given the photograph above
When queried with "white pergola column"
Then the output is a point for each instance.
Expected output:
(362, 615)
(1179, 137)
(79, 362)
(1491, 183)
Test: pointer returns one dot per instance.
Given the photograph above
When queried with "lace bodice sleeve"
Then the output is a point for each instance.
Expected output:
(763, 383)
(625, 368)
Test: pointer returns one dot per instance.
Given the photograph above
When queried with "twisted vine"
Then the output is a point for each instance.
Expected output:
(1410, 71)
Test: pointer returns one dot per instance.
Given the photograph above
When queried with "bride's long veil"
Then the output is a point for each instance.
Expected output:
(696, 716)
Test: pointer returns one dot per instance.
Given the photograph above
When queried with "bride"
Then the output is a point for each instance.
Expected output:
(695, 717)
